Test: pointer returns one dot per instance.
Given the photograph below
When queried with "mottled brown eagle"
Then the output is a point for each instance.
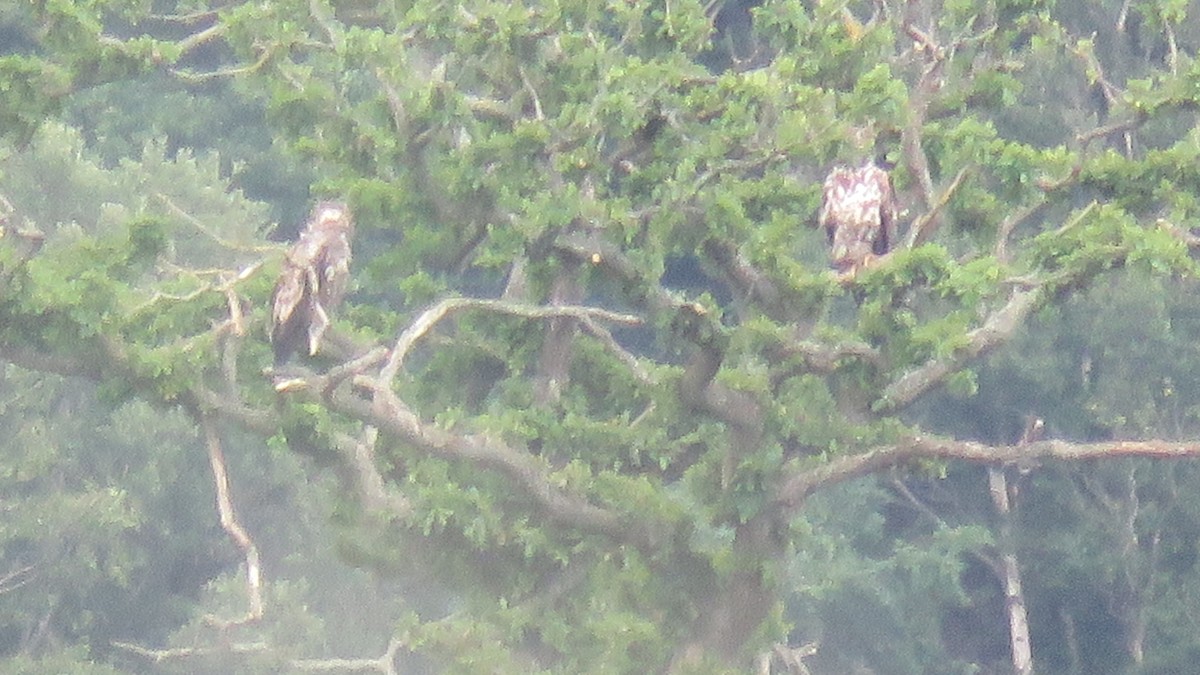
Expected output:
(858, 212)
(313, 281)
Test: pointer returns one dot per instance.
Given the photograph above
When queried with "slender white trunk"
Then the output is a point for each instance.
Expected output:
(1014, 597)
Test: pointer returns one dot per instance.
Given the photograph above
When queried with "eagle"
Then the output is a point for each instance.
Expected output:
(858, 212)
(312, 282)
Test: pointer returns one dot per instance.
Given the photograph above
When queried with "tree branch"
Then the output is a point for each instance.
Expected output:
(998, 328)
(389, 414)
(803, 482)
(443, 309)
(231, 525)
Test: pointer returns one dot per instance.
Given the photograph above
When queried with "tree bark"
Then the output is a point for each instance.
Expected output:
(1014, 597)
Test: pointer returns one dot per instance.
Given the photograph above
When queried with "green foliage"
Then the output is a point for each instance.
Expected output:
(592, 154)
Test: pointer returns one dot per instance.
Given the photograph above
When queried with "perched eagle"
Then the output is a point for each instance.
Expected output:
(313, 280)
(858, 212)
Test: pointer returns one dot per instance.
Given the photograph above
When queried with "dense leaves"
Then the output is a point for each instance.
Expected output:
(627, 446)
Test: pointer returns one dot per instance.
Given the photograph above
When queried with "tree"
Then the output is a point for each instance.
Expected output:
(594, 368)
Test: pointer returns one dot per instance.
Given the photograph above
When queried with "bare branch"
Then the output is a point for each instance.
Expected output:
(16, 579)
(1015, 219)
(359, 454)
(804, 482)
(819, 358)
(200, 78)
(385, 664)
(209, 233)
(165, 655)
(751, 283)
(1123, 127)
(229, 522)
(430, 317)
(623, 355)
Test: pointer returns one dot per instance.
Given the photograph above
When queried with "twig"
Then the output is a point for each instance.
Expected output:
(924, 226)
(201, 78)
(203, 229)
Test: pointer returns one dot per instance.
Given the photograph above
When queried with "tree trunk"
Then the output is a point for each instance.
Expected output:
(1014, 597)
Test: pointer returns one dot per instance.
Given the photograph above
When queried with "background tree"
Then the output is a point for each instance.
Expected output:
(599, 404)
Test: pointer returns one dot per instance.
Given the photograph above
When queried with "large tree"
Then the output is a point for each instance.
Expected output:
(594, 367)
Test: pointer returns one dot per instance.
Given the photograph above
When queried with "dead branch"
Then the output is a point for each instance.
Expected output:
(16, 579)
(385, 664)
(632, 363)
(1123, 127)
(190, 77)
(1015, 219)
(231, 525)
(790, 658)
(166, 655)
(819, 358)
(750, 282)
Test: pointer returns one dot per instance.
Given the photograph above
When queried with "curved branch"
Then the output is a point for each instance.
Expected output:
(430, 317)
(231, 525)
(750, 282)
(389, 414)
(997, 330)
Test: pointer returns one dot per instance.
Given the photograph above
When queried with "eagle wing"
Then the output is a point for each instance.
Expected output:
(313, 281)
(887, 240)
(329, 279)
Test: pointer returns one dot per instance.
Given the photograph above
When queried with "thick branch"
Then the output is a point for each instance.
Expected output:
(750, 283)
(806, 481)
(430, 318)
(389, 414)
(998, 328)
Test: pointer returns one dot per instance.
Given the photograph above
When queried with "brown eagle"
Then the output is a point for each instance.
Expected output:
(858, 212)
(313, 281)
